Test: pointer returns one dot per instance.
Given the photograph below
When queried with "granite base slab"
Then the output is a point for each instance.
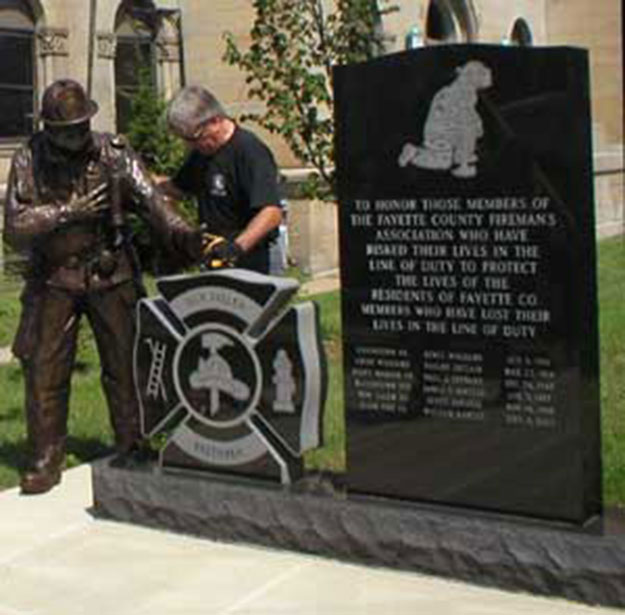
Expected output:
(582, 566)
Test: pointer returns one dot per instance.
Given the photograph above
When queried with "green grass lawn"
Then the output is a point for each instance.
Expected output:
(611, 284)
(9, 309)
(91, 436)
(88, 426)
(331, 457)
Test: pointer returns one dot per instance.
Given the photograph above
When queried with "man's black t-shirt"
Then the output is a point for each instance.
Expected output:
(231, 187)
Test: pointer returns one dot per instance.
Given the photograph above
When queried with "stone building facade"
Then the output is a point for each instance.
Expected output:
(93, 42)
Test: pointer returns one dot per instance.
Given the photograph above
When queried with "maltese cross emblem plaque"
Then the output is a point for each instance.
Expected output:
(229, 376)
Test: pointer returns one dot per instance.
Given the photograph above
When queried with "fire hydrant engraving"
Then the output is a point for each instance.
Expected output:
(285, 384)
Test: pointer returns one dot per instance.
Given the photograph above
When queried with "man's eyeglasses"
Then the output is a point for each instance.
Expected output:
(196, 135)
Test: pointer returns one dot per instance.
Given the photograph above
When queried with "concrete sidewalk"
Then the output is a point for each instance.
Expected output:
(56, 559)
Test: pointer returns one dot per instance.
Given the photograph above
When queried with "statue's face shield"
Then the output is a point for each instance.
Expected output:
(71, 138)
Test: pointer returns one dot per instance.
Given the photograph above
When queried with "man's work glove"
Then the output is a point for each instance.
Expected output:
(218, 251)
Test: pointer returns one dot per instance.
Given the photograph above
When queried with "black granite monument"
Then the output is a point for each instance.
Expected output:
(467, 246)
(228, 378)
(468, 277)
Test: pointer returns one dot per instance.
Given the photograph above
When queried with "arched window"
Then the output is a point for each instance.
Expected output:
(17, 68)
(440, 24)
(521, 34)
(450, 21)
(135, 60)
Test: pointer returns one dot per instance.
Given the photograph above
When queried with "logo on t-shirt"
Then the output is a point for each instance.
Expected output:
(218, 185)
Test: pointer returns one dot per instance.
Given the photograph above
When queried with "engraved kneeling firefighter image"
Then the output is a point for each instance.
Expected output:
(453, 126)
(69, 195)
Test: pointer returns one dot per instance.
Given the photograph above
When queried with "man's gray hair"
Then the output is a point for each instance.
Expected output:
(190, 108)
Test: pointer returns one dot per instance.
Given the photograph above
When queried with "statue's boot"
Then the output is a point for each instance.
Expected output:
(130, 449)
(46, 418)
(45, 471)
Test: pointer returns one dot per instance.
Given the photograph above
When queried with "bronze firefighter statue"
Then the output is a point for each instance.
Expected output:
(69, 193)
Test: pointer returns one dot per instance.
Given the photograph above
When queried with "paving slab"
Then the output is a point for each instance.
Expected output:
(57, 559)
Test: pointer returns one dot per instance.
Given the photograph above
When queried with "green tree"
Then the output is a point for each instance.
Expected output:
(288, 66)
(163, 153)
(147, 131)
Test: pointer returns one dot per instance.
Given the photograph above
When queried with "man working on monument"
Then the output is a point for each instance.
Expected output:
(69, 193)
(234, 177)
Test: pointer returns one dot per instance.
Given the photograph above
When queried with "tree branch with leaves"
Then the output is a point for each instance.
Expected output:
(288, 66)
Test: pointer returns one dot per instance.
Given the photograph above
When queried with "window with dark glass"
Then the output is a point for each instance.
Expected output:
(17, 70)
(450, 21)
(440, 23)
(521, 33)
(135, 65)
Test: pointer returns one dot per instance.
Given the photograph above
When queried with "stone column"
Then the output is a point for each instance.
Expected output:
(104, 81)
(168, 55)
(52, 44)
(168, 59)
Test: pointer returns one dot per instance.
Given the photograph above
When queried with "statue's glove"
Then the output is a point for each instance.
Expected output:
(218, 252)
(86, 207)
